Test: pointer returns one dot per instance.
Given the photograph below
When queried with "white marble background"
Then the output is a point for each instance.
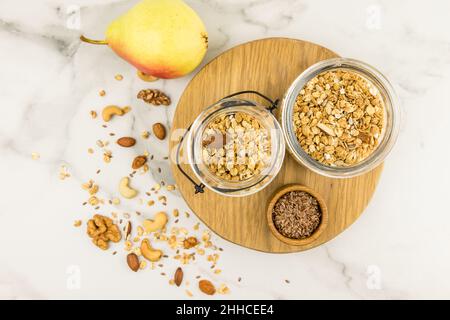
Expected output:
(49, 82)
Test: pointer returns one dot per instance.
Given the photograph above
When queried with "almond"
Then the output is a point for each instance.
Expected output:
(159, 130)
(178, 277)
(138, 162)
(206, 287)
(126, 142)
(133, 261)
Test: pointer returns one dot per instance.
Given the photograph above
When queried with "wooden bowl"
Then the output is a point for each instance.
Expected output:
(323, 221)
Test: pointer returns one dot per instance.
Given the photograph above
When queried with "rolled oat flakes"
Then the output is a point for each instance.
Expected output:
(236, 147)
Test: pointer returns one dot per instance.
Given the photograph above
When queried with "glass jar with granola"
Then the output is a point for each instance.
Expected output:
(340, 118)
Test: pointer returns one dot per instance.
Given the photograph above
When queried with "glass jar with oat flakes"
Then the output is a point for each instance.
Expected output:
(235, 147)
(340, 118)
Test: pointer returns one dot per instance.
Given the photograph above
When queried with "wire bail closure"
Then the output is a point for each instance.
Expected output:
(200, 187)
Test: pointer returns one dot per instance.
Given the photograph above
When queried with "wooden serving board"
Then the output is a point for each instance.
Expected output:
(268, 66)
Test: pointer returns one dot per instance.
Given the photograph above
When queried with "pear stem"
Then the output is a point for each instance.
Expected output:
(87, 40)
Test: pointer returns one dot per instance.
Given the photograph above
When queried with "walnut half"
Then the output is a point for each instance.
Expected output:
(102, 230)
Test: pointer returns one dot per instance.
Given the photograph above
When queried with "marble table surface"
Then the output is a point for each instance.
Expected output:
(49, 82)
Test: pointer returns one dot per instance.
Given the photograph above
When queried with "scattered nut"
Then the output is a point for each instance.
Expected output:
(126, 142)
(190, 242)
(178, 277)
(138, 162)
(206, 287)
(157, 224)
(102, 230)
(110, 111)
(125, 190)
(149, 253)
(159, 131)
(154, 96)
(128, 230)
(133, 261)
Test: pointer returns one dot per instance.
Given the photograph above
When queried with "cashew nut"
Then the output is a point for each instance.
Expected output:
(125, 190)
(149, 253)
(157, 224)
(110, 111)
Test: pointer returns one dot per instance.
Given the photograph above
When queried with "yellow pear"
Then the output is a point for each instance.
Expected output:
(161, 38)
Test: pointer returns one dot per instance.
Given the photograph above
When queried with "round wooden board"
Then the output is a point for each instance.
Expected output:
(268, 66)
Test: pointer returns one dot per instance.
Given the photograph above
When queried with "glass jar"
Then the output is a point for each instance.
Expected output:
(195, 145)
(391, 117)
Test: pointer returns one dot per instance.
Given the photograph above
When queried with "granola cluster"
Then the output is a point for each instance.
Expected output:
(339, 118)
(236, 147)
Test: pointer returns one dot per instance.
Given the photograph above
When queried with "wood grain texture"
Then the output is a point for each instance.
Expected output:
(268, 66)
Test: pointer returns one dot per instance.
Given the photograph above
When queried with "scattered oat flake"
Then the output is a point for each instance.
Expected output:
(63, 173)
(90, 150)
(77, 223)
(223, 289)
(118, 77)
(102, 93)
(93, 114)
(189, 293)
(35, 155)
